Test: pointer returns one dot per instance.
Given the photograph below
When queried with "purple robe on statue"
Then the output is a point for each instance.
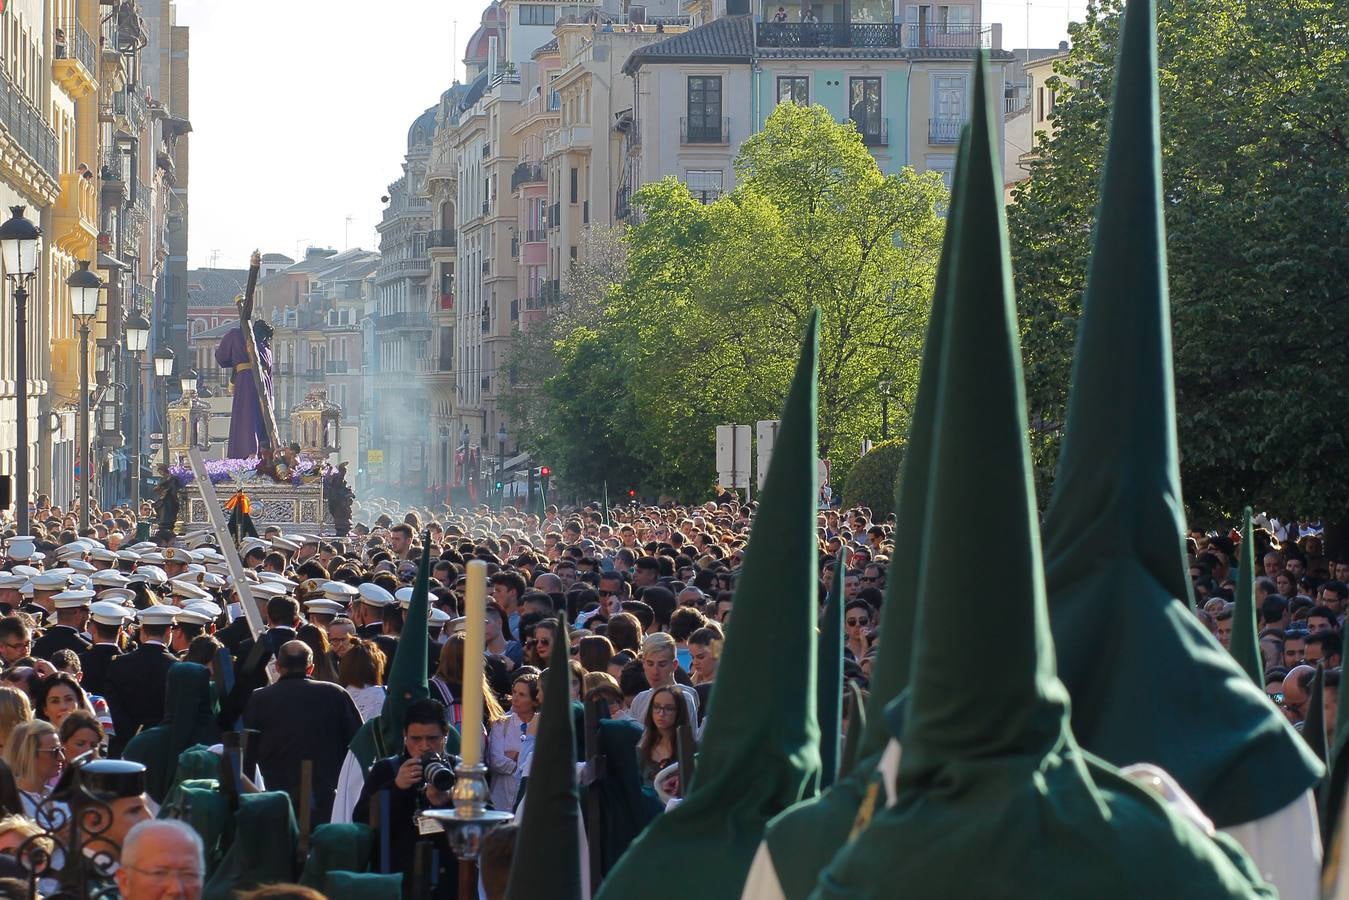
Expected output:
(247, 430)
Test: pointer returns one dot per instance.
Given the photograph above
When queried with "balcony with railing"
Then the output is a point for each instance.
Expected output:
(827, 36)
(704, 130)
(536, 236)
(441, 237)
(407, 209)
(74, 59)
(964, 36)
(403, 268)
(403, 321)
(875, 132)
(526, 173)
(944, 130)
(336, 367)
(27, 127)
(76, 212)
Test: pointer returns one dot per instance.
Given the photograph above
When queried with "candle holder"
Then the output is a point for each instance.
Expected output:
(468, 819)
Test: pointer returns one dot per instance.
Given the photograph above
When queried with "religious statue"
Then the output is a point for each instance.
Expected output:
(247, 352)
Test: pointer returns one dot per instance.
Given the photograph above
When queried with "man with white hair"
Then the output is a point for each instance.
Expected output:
(162, 859)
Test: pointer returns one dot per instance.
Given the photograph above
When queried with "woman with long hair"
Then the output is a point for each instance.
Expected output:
(317, 639)
(35, 756)
(362, 674)
(595, 652)
(59, 695)
(659, 744)
(447, 685)
(14, 708)
(80, 733)
(511, 738)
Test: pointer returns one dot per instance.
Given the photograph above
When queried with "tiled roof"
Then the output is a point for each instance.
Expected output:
(728, 39)
(215, 287)
(550, 47)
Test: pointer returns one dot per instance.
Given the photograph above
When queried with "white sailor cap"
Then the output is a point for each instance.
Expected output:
(25, 571)
(105, 612)
(266, 589)
(108, 578)
(50, 581)
(324, 607)
(73, 599)
(437, 617)
(72, 550)
(404, 596)
(281, 543)
(458, 624)
(142, 546)
(188, 590)
(253, 543)
(276, 578)
(154, 558)
(178, 556)
(210, 555)
(130, 556)
(149, 574)
(81, 566)
(22, 548)
(11, 580)
(79, 580)
(103, 554)
(249, 575)
(305, 539)
(26, 588)
(158, 615)
(199, 540)
(194, 617)
(208, 607)
(339, 591)
(374, 595)
(120, 596)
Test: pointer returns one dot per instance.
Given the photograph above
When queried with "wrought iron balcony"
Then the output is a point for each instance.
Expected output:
(441, 237)
(27, 126)
(829, 34)
(526, 173)
(943, 130)
(704, 130)
(875, 132)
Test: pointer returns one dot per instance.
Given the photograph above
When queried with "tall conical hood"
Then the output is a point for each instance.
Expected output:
(829, 684)
(406, 681)
(995, 799)
(1114, 530)
(803, 839)
(760, 743)
(547, 858)
(981, 466)
(1333, 790)
(1245, 629)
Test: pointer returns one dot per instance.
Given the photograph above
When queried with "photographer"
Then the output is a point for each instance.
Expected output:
(425, 728)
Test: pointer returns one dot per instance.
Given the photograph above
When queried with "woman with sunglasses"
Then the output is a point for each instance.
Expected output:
(857, 619)
(35, 756)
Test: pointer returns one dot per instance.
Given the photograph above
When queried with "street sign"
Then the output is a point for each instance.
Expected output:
(374, 457)
(765, 436)
(733, 458)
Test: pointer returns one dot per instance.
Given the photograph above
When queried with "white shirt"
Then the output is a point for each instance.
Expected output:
(369, 700)
(507, 734)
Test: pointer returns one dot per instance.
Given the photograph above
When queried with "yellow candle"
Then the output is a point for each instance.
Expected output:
(475, 611)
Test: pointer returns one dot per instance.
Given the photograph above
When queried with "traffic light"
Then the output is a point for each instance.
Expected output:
(632, 493)
(544, 472)
(500, 484)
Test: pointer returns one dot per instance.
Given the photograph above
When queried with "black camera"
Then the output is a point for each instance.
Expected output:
(437, 772)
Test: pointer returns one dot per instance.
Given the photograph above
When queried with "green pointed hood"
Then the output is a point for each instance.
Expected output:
(1314, 727)
(995, 799)
(760, 744)
(1245, 628)
(547, 858)
(189, 720)
(1114, 530)
(1333, 789)
(829, 683)
(803, 839)
(406, 681)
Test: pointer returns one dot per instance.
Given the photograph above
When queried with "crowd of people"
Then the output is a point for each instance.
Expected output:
(140, 651)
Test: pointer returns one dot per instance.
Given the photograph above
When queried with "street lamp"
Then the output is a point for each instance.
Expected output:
(885, 410)
(188, 382)
(501, 466)
(20, 246)
(85, 289)
(163, 371)
(137, 330)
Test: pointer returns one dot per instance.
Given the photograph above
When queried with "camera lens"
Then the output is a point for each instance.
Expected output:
(437, 772)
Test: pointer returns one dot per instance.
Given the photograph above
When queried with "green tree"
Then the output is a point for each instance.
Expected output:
(707, 321)
(1255, 118)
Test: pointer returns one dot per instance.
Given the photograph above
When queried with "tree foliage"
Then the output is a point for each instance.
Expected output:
(873, 481)
(1255, 118)
(704, 328)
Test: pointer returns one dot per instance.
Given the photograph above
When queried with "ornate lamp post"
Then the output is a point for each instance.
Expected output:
(20, 247)
(501, 466)
(137, 330)
(163, 371)
(85, 290)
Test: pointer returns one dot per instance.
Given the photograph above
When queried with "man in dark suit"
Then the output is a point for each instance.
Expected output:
(300, 719)
(72, 614)
(105, 623)
(135, 683)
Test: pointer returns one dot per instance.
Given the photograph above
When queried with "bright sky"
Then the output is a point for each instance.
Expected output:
(301, 108)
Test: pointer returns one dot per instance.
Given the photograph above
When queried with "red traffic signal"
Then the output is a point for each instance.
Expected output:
(632, 492)
(545, 471)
